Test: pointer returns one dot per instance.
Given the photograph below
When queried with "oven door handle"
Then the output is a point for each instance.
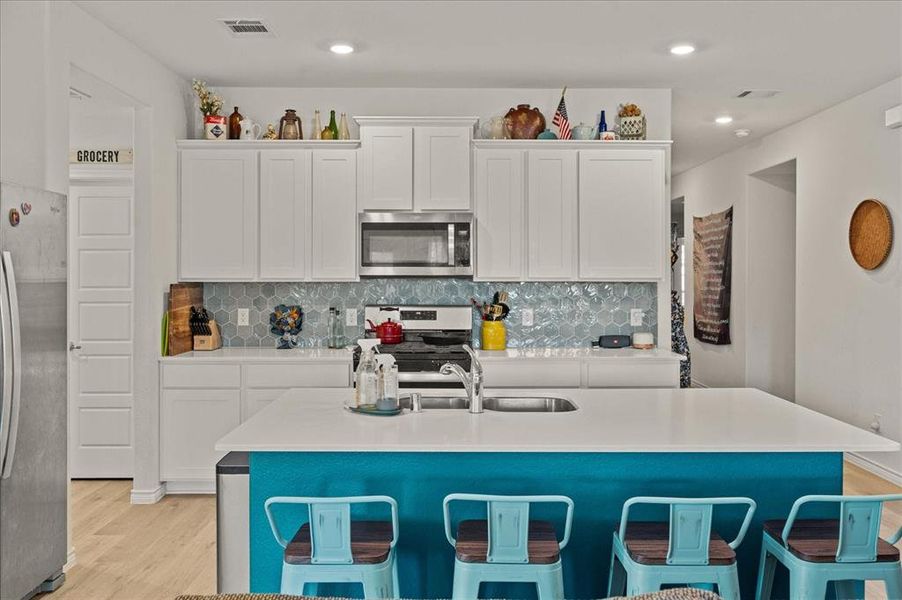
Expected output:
(426, 377)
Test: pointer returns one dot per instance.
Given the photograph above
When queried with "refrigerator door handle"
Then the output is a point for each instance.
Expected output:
(15, 335)
(6, 350)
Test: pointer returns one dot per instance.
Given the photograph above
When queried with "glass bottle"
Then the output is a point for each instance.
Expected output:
(343, 132)
(333, 126)
(317, 126)
(290, 126)
(235, 125)
(602, 125)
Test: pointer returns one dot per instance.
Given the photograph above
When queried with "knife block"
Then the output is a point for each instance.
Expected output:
(209, 342)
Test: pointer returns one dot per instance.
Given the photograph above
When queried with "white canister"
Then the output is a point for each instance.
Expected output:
(643, 340)
(215, 127)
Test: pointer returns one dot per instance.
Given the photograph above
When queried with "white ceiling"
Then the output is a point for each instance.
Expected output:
(817, 53)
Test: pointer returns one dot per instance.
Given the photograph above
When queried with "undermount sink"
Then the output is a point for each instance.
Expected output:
(524, 404)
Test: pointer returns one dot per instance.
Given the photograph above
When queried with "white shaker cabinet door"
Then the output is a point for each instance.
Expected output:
(285, 210)
(551, 213)
(500, 215)
(441, 168)
(621, 214)
(218, 215)
(334, 224)
(387, 154)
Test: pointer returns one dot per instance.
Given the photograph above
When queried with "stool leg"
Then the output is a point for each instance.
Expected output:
(292, 581)
(466, 584)
(551, 586)
(893, 583)
(616, 577)
(642, 583)
(376, 586)
(805, 584)
(845, 589)
(728, 584)
(766, 569)
(394, 578)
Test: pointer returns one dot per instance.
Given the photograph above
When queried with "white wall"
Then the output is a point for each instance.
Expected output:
(267, 105)
(93, 125)
(41, 42)
(848, 321)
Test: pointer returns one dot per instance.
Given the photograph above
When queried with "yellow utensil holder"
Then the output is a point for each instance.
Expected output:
(494, 335)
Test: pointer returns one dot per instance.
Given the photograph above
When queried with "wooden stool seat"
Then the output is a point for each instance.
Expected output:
(816, 540)
(370, 543)
(473, 542)
(647, 543)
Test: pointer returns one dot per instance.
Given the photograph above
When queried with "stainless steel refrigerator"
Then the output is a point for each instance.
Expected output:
(33, 472)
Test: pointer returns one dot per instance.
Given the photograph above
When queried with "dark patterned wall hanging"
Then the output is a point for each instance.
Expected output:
(712, 257)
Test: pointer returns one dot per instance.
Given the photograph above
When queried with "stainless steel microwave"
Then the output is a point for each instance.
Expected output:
(416, 244)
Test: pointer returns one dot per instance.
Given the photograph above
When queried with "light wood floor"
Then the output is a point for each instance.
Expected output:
(158, 551)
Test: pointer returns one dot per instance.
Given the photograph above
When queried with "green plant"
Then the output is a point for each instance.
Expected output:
(210, 103)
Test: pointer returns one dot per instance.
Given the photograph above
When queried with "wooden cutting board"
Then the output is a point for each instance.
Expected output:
(182, 296)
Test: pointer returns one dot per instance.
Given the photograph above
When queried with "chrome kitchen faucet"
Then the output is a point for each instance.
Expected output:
(472, 381)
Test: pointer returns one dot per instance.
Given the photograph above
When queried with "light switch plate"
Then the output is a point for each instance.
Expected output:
(351, 317)
(636, 316)
(528, 319)
(243, 317)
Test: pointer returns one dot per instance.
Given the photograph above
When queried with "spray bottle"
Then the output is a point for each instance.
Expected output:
(367, 374)
(388, 382)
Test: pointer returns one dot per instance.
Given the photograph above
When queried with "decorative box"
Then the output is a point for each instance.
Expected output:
(632, 128)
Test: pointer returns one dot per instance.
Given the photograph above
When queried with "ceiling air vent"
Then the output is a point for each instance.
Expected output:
(247, 27)
(757, 94)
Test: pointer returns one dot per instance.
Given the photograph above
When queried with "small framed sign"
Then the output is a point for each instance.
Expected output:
(101, 156)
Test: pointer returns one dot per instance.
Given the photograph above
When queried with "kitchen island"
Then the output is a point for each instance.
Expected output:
(618, 444)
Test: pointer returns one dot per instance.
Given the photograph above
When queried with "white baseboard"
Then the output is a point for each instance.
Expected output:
(191, 486)
(70, 560)
(872, 467)
(148, 496)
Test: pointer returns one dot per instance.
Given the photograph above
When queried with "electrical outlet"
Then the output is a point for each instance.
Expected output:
(351, 317)
(244, 318)
(636, 316)
(528, 319)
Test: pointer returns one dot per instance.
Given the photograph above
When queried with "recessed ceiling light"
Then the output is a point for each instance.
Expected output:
(341, 48)
(743, 132)
(724, 120)
(682, 49)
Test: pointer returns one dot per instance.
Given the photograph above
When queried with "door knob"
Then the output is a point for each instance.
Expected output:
(74, 346)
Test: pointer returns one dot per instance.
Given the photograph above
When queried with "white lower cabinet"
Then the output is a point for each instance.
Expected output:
(201, 402)
(633, 375)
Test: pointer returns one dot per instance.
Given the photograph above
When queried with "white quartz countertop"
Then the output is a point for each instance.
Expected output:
(656, 354)
(608, 420)
(262, 354)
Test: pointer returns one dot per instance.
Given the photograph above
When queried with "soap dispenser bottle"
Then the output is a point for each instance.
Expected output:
(366, 391)
(388, 382)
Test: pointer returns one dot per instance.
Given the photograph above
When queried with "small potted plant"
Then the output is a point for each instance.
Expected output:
(286, 322)
(210, 104)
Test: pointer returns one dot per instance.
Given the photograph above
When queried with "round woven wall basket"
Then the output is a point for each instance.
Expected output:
(870, 234)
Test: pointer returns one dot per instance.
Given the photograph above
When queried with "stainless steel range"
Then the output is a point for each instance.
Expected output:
(433, 335)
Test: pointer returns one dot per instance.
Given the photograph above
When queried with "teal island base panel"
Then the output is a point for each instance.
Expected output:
(598, 484)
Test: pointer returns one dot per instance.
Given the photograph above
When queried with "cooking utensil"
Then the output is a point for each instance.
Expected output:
(390, 332)
(440, 338)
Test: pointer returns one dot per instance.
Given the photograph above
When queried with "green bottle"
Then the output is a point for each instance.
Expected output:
(333, 125)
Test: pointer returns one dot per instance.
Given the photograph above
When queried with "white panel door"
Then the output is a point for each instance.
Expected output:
(334, 222)
(621, 214)
(387, 154)
(218, 215)
(441, 159)
(101, 322)
(551, 213)
(284, 214)
(500, 215)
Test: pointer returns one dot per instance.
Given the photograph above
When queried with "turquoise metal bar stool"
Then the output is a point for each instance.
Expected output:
(507, 547)
(332, 548)
(844, 550)
(684, 550)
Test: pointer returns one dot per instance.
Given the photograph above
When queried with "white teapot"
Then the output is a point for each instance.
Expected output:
(249, 130)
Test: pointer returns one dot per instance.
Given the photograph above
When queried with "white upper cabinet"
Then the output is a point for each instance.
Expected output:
(442, 168)
(334, 232)
(415, 163)
(551, 214)
(387, 154)
(621, 214)
(218, 215)
(500, 215)
(285, 209)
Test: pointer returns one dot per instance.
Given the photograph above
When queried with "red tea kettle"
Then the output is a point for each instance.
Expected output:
(390, 332)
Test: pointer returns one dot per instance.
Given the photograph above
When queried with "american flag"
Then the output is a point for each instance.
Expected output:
(561, 122)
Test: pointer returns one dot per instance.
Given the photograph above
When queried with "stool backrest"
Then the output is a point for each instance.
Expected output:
(689, 535)
(508, 523)
(330, 524)
(859, 524)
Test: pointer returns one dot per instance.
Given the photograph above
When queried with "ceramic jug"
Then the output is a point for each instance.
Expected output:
(250, 130)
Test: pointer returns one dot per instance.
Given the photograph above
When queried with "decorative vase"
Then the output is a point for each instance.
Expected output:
(290, 126)
(235, 125)
(344, 133)
(547, 135)
(215, 128)
(525, 123)
(317, 126)
(495, 128)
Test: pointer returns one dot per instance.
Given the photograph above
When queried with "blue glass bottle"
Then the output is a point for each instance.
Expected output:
(602, 125)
